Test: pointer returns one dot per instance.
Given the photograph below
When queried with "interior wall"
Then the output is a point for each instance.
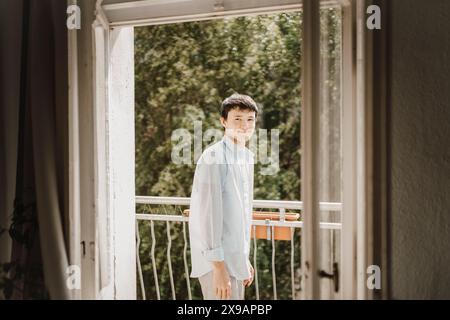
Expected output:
(419, 246)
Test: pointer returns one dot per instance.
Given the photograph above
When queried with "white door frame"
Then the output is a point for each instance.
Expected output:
(350, 154)
(118, 146)
(115, 148)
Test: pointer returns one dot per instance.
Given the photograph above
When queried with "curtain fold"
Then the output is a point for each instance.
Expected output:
(45, 106)
(10, 40)
(39, 257)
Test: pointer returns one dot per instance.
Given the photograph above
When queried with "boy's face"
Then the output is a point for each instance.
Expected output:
(240, 124)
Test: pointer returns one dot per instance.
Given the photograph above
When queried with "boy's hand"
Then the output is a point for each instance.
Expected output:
(249, 281)
(221, 280)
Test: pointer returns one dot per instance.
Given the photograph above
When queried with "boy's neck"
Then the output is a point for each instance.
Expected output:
(237, 141)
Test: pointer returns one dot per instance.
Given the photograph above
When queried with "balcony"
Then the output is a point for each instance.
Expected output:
(158, 251)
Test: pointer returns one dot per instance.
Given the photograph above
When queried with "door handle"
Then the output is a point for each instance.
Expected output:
(333, 276)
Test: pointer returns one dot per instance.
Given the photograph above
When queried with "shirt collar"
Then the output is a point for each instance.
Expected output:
(237, 149)
(233, 146)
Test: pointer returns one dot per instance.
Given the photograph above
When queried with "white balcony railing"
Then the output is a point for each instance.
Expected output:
(178, 217)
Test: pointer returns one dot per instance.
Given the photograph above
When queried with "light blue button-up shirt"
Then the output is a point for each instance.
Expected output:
(221, 209)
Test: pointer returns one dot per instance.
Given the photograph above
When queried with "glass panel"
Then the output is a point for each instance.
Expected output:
(330, 151)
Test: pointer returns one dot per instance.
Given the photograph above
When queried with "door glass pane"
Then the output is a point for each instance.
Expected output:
(330, 151)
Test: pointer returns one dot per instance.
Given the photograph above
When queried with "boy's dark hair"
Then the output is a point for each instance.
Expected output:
(240, 101)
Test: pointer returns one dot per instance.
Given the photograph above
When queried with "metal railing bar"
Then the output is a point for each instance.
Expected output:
(293, 224)
(169, 261)
(269, 204)
(292, 263)
(255, 262)
(274, 276)
(186, 268)
(152, 253)
(138, 260)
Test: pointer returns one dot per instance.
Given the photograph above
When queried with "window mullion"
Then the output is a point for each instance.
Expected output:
(310, 148)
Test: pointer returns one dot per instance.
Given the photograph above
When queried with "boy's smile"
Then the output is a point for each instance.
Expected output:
(239, 125)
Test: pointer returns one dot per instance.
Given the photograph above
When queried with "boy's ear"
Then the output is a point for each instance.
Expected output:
(222, 121)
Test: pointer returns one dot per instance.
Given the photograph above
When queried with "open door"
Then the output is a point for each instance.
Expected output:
(331, 129)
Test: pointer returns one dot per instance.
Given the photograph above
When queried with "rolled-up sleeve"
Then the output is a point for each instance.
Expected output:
(208, 210)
